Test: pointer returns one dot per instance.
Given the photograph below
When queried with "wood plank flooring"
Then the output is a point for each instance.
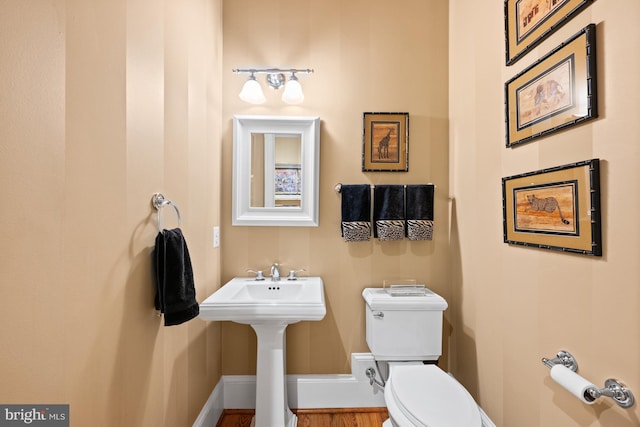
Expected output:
(349, 417)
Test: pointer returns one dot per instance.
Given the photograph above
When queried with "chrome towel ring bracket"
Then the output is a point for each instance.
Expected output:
(158, 201)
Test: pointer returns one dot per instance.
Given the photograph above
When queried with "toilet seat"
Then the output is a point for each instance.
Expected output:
(426, 396)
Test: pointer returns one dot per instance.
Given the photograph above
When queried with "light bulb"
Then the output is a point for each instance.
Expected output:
(252, 92)
(293, 91)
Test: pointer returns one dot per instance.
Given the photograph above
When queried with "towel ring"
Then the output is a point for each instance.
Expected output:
(158, 201)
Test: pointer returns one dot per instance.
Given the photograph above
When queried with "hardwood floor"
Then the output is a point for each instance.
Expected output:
(349, 417)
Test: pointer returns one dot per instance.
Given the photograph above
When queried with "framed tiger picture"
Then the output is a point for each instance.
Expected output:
(556, 208)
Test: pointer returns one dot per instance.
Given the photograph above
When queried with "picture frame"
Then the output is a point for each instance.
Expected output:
(556, 208)
(529, 22)
(558, 91)
(385, 146)
(287, 185)
(288, 180)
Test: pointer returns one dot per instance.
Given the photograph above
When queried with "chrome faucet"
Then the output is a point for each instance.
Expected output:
(275, 272)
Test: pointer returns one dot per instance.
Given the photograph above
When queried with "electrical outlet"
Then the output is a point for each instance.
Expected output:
(216, 237)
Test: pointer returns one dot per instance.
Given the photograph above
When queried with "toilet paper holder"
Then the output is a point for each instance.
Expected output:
(564, 358)
(612, 387)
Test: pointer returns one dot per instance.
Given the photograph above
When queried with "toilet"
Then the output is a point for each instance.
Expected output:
(404, 334)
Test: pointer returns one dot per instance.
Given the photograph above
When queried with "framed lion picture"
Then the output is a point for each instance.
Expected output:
(555, 93)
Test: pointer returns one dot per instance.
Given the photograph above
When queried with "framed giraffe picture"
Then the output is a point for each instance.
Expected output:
(385, 145)
(556, 208)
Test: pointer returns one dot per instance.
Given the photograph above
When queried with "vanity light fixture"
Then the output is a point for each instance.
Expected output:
(292, 93)
(252, 91)
(276, 78)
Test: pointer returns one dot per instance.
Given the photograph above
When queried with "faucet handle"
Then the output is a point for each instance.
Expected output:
(292, 274)
(258, 274)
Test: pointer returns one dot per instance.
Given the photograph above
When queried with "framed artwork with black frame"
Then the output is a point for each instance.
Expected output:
(529, 22)
(558, 91)
(385, 146)
(556, 208)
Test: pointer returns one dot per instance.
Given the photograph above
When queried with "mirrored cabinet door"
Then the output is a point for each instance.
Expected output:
(275, 170)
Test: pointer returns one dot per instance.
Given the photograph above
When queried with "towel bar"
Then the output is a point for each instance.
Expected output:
(158, 201)
(338, 187)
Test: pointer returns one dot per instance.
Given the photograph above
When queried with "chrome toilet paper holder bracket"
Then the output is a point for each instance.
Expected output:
(615, 390)
(612, 387)
(562, 358)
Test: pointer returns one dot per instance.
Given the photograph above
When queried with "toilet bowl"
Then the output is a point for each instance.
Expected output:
(404, 333)
(426, 396)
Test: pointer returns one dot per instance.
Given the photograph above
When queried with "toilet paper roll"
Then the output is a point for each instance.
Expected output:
(573, 382)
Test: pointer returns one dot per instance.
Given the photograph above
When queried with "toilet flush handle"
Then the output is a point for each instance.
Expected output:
(378, 315)
(371, 374)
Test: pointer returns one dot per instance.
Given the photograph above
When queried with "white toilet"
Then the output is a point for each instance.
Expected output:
(403, 332)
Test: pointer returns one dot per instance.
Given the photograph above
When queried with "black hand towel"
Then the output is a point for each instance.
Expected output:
(388, 212)
(356, 212)
(175, 288)
(420, 211)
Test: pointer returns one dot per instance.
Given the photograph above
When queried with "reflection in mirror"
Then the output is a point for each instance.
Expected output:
(276, 170)
(276, 164)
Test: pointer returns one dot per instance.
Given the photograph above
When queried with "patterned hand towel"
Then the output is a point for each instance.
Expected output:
(356, 212)
(420, 212)
(388, 212)
(175, 289)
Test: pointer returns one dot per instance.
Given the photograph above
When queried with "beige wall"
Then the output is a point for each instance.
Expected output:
(367, 56)
(104, 103)
(509, 306)
(513, 305)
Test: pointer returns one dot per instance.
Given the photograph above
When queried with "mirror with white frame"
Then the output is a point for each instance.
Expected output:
(276, 168)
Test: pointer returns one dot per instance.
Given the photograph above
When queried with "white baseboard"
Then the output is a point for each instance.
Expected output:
(212, 409)
(304, 391)
(486, 421)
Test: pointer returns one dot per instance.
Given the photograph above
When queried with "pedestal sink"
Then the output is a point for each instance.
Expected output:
(268, 306)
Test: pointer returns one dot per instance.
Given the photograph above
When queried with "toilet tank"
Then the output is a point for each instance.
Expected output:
(404, 327)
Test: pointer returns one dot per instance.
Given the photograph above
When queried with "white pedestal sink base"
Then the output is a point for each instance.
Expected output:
(268, 307)
(272, 409)
(293, 421)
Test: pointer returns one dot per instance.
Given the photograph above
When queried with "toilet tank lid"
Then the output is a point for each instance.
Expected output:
(380, 299)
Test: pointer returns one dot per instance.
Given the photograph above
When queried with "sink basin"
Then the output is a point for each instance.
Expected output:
(249, 301)
(268, 306)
